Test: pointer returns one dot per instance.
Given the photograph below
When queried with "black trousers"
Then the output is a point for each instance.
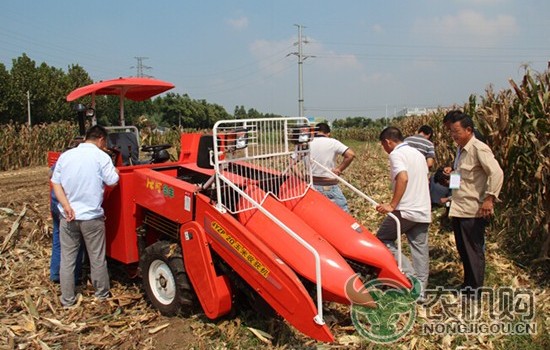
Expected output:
(470, 243)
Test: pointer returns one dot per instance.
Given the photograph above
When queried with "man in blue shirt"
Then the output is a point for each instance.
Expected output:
(78, 181)
(55, 260)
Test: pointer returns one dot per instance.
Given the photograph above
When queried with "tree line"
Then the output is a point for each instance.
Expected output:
(46, 87)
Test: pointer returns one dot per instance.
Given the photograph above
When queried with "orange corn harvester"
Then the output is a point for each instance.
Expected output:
(236, 215)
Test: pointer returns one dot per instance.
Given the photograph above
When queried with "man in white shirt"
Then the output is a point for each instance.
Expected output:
(78, 181)
(326, 150)
(410, 203)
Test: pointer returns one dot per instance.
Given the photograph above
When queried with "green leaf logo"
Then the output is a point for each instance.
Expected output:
(395, 310)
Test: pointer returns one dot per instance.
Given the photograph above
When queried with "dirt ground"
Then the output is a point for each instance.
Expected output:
(31, 315)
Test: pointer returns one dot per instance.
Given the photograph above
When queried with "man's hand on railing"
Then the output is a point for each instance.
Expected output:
(384, 208)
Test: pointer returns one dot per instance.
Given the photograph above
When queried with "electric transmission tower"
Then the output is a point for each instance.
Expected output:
(140, 67)
(301, 59)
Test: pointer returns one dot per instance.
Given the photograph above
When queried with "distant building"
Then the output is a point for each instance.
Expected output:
(409, 111)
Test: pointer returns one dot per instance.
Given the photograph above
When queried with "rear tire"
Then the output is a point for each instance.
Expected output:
(164, 278)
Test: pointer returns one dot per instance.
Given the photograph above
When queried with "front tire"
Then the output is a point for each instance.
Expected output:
(164, 278)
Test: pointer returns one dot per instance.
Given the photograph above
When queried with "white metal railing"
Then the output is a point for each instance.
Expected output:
(272, 155)
(264, 153)
(374, 204)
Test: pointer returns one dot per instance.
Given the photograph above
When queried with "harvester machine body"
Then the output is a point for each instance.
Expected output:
(238, 209)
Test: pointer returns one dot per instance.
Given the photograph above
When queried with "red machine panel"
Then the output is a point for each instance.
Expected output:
(266, 273)
(350, 238)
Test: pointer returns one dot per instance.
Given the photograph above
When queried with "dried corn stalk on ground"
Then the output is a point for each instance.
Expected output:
(31, 316)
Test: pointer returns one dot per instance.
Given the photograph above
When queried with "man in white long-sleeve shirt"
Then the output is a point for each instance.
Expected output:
(78, 181)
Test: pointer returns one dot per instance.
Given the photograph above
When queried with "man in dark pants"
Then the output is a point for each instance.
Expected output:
(476, 182)
(410, 203)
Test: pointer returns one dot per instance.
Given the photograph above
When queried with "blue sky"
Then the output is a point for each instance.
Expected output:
(371, 58)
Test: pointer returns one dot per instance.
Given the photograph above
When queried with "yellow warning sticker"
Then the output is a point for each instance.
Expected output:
(241, 249)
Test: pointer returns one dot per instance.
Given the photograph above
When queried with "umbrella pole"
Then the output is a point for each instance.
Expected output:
(121, 103)
(94, 118)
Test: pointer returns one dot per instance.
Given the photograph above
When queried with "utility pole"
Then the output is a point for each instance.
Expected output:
(29, 107)
(140, 67)
(301, 59)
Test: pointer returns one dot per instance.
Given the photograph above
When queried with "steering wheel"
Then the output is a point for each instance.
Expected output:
(113, 153)
(155, 148)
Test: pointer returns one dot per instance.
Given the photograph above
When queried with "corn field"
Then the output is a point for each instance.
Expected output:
(24, 146)
(515, 122)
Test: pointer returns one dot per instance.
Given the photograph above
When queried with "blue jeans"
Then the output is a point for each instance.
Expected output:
(55, 261)
(334, 193)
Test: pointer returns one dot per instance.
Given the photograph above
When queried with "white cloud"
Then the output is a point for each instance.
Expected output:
(319, 55)
(271, 54)
(262, 48)
(330, 60)
(377, 28)
(468, 28)
(238, 23)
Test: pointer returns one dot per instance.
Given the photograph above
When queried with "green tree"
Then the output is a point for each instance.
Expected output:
(253, 114)
(4, 93)
(76, 77)
(218, 112)
(49, 86)
(22, 79)
(175, 110)
(48, 98)
(240, 112)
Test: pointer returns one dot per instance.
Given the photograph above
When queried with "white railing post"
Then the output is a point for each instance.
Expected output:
(269, 151)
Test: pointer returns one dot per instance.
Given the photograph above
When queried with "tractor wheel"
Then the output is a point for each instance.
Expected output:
(164, 278)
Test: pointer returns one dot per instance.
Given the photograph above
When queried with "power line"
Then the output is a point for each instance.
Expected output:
(140, 67)
(301, 59)
(222, 90)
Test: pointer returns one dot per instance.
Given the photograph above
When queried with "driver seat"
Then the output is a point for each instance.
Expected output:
(126, 141)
